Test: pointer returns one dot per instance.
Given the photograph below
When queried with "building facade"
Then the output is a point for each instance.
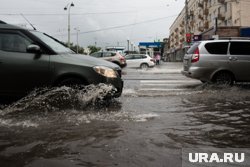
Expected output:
(202, 19)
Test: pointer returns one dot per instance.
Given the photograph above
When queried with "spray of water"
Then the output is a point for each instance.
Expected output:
(60, 98)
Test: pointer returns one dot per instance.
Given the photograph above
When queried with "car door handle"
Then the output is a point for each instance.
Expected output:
(233, 58)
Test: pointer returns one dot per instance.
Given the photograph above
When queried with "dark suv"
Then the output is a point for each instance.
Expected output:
(31, 59)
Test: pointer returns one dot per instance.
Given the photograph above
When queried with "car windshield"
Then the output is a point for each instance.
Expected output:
(52, 42)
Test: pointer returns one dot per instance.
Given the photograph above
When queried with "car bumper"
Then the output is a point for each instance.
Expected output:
(117, 83)
(199, 73)
(151, 64)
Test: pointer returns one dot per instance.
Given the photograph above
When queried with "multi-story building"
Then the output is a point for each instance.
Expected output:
(203, 19)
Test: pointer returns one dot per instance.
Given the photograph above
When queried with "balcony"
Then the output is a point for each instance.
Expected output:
(191, 12)
(221, 17)
(206, 25)
(206, 11)
(200, 5)
(192, 23)
(200, 16)
(182, 32)
(201, 29)
(221, 1)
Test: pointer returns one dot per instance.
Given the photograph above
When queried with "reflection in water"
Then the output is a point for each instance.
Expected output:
(219, 116)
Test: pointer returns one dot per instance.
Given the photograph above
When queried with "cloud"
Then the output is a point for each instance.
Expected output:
(119, 19)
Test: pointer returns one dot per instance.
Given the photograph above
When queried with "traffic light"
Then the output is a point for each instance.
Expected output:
(188, 38)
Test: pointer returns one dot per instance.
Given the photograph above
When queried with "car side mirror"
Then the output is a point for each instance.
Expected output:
(33, 49)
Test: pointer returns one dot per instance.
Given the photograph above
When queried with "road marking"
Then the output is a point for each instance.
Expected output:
(159, 84)
(161, 89)
(164, 85)
(168, 81)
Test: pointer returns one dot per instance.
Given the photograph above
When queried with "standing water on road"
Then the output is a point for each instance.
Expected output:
(71, 127)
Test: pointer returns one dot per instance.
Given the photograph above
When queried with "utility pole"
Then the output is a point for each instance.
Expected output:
(68, 8)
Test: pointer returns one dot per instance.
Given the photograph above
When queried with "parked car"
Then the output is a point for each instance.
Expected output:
(31, 59)
(142, 61)
(219, 61)
(114, 57)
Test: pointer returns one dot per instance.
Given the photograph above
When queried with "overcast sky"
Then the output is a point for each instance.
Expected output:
(104, 22)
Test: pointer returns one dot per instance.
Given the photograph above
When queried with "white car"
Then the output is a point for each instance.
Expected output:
(142, 61)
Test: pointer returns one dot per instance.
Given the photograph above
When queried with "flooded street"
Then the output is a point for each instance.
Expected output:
(159, 113)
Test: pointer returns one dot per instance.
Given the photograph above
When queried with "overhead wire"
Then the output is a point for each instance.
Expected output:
(121, 26)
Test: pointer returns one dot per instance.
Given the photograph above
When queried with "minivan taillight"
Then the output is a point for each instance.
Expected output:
(195, 56)
(122, 58)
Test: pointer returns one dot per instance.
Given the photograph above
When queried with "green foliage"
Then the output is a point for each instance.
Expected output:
(80, 49)
(74, 48)
(94, 49)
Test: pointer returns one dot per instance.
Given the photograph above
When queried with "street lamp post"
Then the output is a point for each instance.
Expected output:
(68, 8)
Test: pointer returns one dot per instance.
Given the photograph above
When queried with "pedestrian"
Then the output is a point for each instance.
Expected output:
(158, 58)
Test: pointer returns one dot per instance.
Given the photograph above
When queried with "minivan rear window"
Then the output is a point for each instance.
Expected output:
(193, 48)
(217, 47)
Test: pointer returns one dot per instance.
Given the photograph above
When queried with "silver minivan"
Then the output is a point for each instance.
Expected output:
(218, 61)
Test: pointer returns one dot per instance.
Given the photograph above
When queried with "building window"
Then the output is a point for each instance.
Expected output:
(225, 6)
(209, 3)
(225, 22)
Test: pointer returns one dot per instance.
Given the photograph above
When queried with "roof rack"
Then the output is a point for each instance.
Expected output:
(234, 38)
(2, 22)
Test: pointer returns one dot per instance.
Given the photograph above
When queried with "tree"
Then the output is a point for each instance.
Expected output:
(74, 48)
(93, 49)
(80, 49)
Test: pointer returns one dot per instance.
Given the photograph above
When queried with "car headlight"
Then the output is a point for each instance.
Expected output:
(105, 71)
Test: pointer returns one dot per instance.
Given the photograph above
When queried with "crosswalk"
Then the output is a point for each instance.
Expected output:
(159, 81)
(166, 85)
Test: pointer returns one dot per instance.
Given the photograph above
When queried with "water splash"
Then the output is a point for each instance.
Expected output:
(60, 98)
(14, 123)
(110, 116)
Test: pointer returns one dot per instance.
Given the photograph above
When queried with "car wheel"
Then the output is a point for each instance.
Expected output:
(72, 82)
(224, 78)
(144, 66)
